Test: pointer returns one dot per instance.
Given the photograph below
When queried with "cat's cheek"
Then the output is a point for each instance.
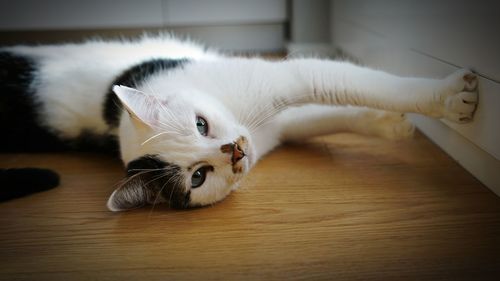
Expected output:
(246, 165)
(208, 197)
(250, 160)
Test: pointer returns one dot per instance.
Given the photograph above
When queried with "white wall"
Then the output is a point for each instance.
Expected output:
(237, 25)
(199, 12)
(434, 38)
(310, 21)
(309, 28)
(75, 14)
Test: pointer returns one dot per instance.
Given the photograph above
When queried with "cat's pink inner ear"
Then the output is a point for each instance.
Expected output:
(141, 106)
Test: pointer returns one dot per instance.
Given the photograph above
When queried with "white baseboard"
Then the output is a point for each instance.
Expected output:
(479, 163)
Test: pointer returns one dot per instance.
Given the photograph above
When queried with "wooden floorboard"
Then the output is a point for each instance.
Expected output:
(343, 207)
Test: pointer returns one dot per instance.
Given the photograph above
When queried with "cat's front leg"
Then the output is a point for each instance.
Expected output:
(304, 122)
(338, 83)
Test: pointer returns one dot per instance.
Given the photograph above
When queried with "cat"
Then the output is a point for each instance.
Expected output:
(189, 122)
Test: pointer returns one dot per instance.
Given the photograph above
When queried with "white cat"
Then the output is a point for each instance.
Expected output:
(191, 123)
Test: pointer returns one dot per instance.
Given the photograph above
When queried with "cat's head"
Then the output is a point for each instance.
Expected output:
(182, 148)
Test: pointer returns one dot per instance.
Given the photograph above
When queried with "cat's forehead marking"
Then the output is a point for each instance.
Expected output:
(160, 176)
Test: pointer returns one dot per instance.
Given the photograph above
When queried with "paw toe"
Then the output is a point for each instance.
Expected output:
(470, 80)
(464, 102)
(460, 118)
(463, 80)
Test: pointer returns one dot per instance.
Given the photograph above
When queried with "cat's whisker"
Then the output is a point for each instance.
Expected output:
(159, 192)
(272, 110)
(266, 117)
(156, 199)
(253, 115)
(170, 180)
(266, 113)
(124, 181)
(245, 117)
(172, 192)
(142, 172)
(175, 122)
(153, 137)
(153, 94)
(173, 130)
(162, 175)
(151, 170)
(175, 125)
(151, 125)
(250, 116)
(262, 110)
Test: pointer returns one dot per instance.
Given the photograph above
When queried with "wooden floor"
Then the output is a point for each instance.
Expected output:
(337, 208)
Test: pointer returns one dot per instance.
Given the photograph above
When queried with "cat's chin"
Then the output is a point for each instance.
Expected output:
(246, 164)
(250, 158)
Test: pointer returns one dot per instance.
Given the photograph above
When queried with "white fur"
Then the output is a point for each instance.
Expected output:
(265, 102)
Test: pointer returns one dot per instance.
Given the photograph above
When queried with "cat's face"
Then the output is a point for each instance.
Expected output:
(183, 148)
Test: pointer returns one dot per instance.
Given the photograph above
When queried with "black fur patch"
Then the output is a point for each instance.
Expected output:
(92, 142)
(19, 110)
(20, 182)
(160, 176)
(19, 114)
(131, 78)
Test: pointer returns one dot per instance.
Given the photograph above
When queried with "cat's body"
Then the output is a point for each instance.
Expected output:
(191, 123)
(70, 83)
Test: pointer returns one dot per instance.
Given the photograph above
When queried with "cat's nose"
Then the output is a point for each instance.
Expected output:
(237, 153)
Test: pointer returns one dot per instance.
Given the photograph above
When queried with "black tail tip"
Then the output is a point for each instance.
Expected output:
(44, 178)
(23, 181)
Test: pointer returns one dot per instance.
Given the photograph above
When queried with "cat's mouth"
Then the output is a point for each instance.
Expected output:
(244, 165)
(238, 168)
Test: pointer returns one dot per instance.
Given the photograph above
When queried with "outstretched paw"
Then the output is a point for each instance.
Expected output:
(388, 125)
(459, 97)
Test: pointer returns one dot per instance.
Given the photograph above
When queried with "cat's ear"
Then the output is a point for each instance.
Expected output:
(131, 195)
(140, 187)
(142, 107)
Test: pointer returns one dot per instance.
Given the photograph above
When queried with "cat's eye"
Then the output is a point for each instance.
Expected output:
(199, 176)
(202, 125)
